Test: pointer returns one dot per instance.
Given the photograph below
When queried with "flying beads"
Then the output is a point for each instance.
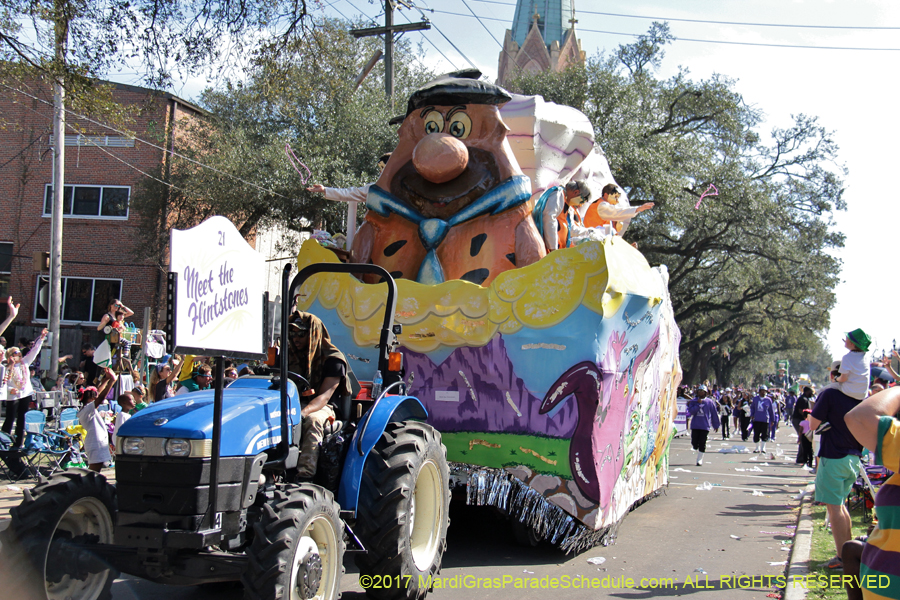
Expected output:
(292, 158)
(714, 192)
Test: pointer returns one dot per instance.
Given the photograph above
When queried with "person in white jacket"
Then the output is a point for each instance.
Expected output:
(352, 196)
(17, 382)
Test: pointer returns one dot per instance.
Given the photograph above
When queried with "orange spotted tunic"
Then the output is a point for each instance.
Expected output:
(476, 250)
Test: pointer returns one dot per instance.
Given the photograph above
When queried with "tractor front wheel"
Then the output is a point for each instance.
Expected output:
(298, 547)
(403, 511)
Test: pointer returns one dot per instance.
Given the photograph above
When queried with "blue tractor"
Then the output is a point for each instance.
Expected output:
(204, 493)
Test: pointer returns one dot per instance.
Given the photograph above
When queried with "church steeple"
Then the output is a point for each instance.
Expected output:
(552, 17)
(542, 37)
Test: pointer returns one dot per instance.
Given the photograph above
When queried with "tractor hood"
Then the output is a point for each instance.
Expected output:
(251, 417)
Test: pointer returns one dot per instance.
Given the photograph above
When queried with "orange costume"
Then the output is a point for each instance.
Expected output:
(593, 219)
(562, 229)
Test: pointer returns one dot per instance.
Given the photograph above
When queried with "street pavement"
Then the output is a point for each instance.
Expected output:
(729, 541)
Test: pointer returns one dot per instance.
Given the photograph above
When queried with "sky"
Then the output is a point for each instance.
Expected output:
(851, 91)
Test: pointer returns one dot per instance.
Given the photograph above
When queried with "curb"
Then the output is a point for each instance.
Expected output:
(798, 566)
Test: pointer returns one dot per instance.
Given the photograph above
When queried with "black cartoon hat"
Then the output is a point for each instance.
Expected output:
(458, 87)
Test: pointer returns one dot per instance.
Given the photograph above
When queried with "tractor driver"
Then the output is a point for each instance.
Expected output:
(312, 355)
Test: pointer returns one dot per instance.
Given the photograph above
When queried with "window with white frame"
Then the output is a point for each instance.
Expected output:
(87, 201)
(85, 299)
(6, 256)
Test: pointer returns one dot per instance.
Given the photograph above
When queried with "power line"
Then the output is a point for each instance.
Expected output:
(423, 35)
(22, 151)
(433, 45)
(711, 22)
(682, 39)
(152, 145)
(770, 45)
(105, 151)
(331, 5)
(483, 25)
(512, 60)
(357, 10)
(455, 47)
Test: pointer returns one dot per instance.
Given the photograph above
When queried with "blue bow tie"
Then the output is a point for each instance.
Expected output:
(509, 194)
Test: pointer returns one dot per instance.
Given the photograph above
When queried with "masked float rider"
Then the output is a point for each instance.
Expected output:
(312, 355)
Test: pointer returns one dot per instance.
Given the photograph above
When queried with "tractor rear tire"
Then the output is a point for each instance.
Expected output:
(74, 503)
(403, 511)
(298, 543)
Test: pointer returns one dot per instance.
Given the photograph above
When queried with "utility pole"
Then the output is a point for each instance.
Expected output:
(388, 31)
(61, 38)
(389, 51)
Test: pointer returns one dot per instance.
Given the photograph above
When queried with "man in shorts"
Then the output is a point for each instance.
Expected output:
(838, 466)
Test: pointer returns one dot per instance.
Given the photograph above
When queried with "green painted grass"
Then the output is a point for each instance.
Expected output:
(822, 550)
(509, 453)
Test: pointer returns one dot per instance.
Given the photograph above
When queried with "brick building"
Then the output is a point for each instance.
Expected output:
(103, 169)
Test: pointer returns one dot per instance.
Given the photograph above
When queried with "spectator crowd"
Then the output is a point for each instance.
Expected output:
(102, 382)
(838, 426)
(848, 422)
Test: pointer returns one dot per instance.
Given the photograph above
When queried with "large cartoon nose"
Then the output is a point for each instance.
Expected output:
(440, 157)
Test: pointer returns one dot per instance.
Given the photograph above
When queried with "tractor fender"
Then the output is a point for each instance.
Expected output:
(387, 410)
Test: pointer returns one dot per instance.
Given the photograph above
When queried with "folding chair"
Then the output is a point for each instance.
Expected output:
(62, 439)
(67, 400)
(6, 442)
(40, 444)
(68, 417)
(35, 421)
(46, 401)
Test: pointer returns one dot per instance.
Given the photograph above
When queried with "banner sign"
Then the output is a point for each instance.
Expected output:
(217, 298)
(681, 418)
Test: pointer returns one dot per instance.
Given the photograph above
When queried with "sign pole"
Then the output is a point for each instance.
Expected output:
(216, 443)
(213, 309)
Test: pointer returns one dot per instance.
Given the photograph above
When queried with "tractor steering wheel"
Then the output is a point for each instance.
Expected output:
(300, 381)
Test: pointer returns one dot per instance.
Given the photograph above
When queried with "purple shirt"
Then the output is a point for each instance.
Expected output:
(703, 414)
(831, 406)
(763, 411)
(789, 404)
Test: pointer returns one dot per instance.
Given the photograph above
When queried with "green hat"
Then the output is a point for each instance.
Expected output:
(860, 339)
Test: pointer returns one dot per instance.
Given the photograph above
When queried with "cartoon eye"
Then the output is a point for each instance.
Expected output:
(434, 122)
(460, 125)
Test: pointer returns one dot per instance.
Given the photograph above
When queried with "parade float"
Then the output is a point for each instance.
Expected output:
(551, 376)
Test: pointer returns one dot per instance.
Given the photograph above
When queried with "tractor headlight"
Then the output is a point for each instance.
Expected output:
(178, 447)
(133, 446)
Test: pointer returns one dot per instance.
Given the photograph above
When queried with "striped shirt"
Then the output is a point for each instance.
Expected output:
(880, 569)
